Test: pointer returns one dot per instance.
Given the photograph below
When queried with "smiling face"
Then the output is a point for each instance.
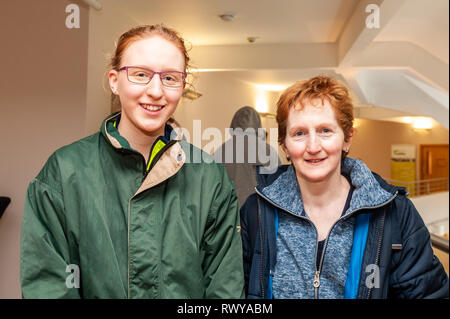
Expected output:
(315, 141)
(146, 108)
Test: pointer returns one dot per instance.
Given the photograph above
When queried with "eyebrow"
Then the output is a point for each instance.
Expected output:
(164, 70)
(297, 127)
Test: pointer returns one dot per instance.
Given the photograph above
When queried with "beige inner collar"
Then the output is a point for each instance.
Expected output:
(168, 164)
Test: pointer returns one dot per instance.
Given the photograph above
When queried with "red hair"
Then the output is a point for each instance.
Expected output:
(317, 88)
(143, 32)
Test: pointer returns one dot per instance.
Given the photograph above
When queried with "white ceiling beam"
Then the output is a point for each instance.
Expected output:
(356, 36)
(349, 75)
(406, 55)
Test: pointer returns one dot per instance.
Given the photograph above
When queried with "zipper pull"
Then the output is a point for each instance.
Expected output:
(316, 282)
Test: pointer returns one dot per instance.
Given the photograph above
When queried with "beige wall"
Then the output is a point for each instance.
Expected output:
(373, 139)
(222, 96)
(42, 102)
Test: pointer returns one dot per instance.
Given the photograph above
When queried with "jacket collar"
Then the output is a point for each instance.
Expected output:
(284, 190)
(104, 130)
(176, 134)
(168, 164)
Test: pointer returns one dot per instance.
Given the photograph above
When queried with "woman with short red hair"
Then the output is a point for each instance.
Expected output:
(326, 226)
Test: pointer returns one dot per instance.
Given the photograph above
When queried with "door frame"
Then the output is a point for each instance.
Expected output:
(421, 147)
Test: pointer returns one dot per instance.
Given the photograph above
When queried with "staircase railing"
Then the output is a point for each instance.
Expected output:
(423, 187)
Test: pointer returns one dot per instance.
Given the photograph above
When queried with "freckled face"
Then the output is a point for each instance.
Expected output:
(148, 107)
(314, 141)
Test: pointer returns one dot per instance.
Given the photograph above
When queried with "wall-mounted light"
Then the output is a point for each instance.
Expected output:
(261, 104)
(407, 119)
(268, 115)
(418, 123)
(422, 124)
(191, 94)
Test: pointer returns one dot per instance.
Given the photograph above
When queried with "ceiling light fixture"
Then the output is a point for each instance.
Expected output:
(227, 17)
(252, 39)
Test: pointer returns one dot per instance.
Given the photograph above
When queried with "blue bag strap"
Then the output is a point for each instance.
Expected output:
(359, 244)
(269, 288)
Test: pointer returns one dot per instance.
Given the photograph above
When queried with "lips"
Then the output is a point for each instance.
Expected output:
(315, 161)
(151, 107)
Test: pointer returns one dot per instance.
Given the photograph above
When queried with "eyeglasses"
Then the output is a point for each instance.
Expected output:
(138, 75)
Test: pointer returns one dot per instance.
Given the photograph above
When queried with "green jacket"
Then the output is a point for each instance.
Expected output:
(171, 233)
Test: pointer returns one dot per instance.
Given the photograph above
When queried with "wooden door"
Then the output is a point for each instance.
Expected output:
(434, 165)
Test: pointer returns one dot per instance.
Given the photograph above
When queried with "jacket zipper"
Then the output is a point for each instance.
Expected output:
(316, 281)
(380, 238)
(145, 173)
(262, 248)
(129, 222)
(163, 150)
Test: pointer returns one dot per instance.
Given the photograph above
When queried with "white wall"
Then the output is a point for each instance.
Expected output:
(434, 210)
(42, 107)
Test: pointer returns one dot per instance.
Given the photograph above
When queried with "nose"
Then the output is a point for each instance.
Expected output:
(313, 145)
(154, 88)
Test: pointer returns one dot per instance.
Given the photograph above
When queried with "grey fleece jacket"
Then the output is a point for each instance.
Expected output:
(297, 236)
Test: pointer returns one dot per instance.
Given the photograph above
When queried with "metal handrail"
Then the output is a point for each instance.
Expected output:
(423, 187)
(420, 181)
(439, 242)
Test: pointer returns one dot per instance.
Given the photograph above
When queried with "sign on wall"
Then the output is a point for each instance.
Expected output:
(403, 166)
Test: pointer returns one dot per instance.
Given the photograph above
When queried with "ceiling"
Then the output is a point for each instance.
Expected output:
(272, 21)
(400, 67)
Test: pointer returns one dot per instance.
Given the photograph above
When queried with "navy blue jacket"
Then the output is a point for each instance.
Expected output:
(397, 242)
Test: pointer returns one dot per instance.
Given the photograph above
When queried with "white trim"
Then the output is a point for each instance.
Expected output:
(94, 4)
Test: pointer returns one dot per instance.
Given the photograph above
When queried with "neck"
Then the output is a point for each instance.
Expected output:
(138, 139)
(319, 194)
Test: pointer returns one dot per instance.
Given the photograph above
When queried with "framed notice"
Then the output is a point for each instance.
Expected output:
(403, 166)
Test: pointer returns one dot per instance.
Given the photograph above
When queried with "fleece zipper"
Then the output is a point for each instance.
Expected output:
(316, 281)
(380, 239)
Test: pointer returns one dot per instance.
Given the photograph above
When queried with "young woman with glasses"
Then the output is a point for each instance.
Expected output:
(128, 212)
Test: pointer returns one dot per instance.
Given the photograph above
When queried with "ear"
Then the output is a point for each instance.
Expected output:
(113, 78)
(283, 147)
(348, 143)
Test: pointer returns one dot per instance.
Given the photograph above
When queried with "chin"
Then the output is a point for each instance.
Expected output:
(314, 176)
(153, 127)
(313, 179)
